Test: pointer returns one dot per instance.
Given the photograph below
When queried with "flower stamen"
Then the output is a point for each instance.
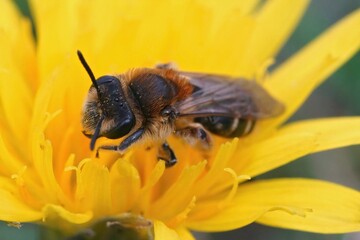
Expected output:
(233, 190)
(18, 177)
(67, 177)
(49, 117)
(182, 215)
(23, 191)
(301, 212)
(17, 225)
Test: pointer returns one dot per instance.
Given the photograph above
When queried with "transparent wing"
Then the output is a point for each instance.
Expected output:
(217, 95)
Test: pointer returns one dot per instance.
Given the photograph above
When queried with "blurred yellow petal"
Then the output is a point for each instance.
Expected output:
(51, 15)
(52, 211)
(90, 26)
(184, 234)
(163, 232)
(13, 209)
(330, 208)
(294, 80)
(17, 48)
(268, 21)
(9, 163)
(14, 94)
(17, 74)
(297, 140)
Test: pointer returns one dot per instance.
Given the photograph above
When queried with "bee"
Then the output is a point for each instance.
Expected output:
(154, 103)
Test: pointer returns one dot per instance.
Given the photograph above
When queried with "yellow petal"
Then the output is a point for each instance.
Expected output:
(234, 216)
(184, 234)
(216, 172)
(163, 232)
(143, 204)
(174, 202)
(53, 22)
(296, 140)
(329, 208)
(302, 204)
(17, 74)
(274, 22)
(9, 163)
(14, 210)
(90, 27)
(42, 152)
(94, 188)
(61, 92)
(17, 46)
(125, 185)
(7, 184)
(330, 132)
(293, 81)
(53, 212)
(15, 107)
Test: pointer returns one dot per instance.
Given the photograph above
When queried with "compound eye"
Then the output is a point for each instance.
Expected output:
(115, 108)
(122, 127)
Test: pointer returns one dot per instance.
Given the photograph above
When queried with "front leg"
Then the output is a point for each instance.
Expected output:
(127, 142)
(167, 154)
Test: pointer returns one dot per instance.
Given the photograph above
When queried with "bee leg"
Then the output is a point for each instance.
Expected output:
(106, 147)
(169, 112)
(167, 154)
(131, 139)
(124, 144)
(195, 133)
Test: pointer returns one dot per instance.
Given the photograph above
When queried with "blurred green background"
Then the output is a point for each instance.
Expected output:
(339, 96)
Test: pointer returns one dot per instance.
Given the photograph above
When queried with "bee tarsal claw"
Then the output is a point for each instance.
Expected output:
(167, 154)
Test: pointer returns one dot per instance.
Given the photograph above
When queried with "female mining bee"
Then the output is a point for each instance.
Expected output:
(153, 103)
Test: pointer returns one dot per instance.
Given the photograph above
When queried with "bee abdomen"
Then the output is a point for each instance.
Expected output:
(226, 126)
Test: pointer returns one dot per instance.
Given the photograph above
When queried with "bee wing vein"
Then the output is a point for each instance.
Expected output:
(223, 96)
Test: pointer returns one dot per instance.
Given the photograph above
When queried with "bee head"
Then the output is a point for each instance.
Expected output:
(106, 111)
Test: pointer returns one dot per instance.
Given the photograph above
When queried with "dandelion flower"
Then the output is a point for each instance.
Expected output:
(49, 174)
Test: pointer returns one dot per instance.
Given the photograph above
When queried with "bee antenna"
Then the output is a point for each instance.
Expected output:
(88, 70)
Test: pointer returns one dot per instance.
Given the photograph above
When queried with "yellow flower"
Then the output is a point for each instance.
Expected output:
(49, 174)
